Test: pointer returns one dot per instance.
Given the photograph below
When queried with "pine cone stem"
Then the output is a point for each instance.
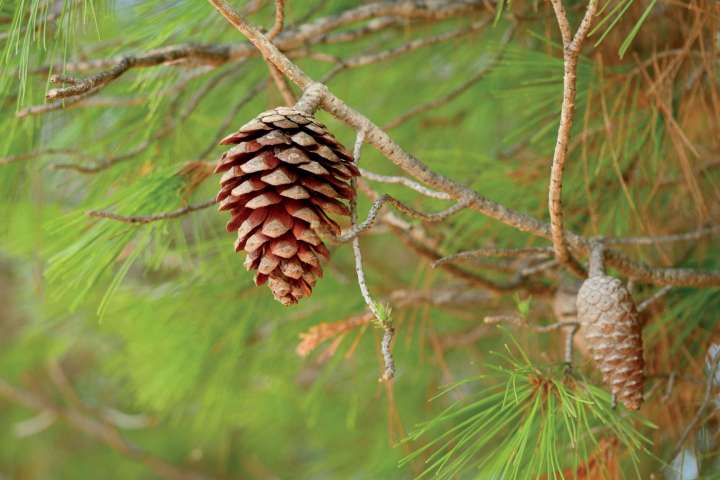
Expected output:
(311, 98)
(597, 260)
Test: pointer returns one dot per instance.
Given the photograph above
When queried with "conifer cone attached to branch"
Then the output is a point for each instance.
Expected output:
(283, 178)
(613, 331)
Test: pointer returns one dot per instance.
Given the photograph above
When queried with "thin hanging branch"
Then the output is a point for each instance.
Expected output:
(383, 318)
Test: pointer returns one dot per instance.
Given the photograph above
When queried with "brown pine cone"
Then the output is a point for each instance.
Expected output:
(613, 331)
(280, 182)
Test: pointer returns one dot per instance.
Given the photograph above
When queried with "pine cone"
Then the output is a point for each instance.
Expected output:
(280, 182)
(613, 330)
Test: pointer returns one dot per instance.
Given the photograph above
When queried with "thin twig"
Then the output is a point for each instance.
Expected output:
(669, 387)
(57, 105)
(597, 260)
(569, 327)
(654, 298)
(96, 81)
(493, 252)
(521, 322)
(356, 241)
(676, 237)
(275, 74)
(570, 332)
(411, 184)
(540, 267)
(143, 219)
(357, 229)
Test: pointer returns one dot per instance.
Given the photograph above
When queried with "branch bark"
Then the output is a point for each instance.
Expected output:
(571, 53)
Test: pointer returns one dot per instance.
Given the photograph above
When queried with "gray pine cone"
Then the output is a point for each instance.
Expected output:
(613, 331)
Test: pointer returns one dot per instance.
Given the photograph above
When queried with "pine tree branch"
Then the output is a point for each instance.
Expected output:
(382, 141)
(571, 53)
(415, 168)
(675, 237)
(411, 184)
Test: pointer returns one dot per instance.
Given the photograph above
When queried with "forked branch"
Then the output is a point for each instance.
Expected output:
(571, 52)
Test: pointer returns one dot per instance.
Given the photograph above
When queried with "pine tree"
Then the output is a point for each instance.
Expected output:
(498, 146)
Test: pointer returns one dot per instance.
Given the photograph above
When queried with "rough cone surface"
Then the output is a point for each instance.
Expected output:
(280, 181)
(613, 331)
